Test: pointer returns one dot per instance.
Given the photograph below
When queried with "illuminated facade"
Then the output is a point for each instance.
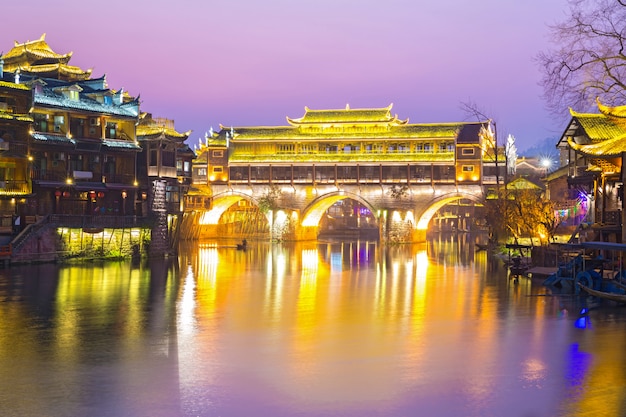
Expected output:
(350, 146)
(82, 146)
(15, 121)
(397, 174)
(165, 158)
(593, 148)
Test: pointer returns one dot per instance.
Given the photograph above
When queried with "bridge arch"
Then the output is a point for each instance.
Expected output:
(312, 214)
(222, 202)
(438, 203)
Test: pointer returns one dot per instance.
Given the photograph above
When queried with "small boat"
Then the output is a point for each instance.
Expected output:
(620, 298)
(243, 245)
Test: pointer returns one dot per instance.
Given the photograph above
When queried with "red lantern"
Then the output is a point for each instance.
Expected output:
(57, 193)
(92, 194)
(66, 193)
(100, 194)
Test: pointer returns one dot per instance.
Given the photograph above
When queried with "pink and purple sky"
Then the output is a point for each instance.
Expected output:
(250, 62)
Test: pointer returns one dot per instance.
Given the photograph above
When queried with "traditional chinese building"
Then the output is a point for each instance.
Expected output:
(593, 147)
(82, 146)
(351, 145)
(15, 121)
(371, 154)
(37, 59)
(165, 157)
(164, 172)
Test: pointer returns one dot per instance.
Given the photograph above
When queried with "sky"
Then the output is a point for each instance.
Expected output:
(206, 63)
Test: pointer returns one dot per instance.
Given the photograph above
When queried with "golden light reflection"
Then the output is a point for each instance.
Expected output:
(187, 305)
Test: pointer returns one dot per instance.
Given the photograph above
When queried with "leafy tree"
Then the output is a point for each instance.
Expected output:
(523, 213)
(269, 200)
(588, 60)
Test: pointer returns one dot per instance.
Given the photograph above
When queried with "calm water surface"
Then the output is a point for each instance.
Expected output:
(319, 329)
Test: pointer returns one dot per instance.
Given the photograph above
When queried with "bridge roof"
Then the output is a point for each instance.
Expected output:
(466, 132)
(347, 115)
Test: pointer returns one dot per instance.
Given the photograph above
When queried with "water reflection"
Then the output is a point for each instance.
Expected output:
(310, 329)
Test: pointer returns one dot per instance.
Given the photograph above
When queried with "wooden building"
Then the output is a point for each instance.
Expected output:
(348, 146)
(165, 161)
(15, 121)
(593, 148)
(82, 145)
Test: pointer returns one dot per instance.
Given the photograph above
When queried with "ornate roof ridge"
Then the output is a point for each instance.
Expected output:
(607, 148)
(37, 47)
(347, 115)
(611, 111)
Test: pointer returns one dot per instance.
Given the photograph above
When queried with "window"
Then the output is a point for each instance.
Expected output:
(218, 169)
(186, 166)
(202, 172)
(428, 147)
(40, 122)
(218, 154)
(468, 168)
(111, 131)
(58, 123)
(168, 159)
(467, 151)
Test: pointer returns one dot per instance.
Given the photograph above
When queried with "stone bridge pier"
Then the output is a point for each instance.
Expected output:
(294, 213)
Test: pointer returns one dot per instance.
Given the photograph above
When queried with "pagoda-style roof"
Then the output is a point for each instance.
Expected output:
(609, 148)
(597, 127)
(36, 57)
(523, 184)
(159, 128)
(407, 131)
(612, 111)
(347, 115)
(14, 86)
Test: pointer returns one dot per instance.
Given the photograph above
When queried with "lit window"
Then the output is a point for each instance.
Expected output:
(468, 168)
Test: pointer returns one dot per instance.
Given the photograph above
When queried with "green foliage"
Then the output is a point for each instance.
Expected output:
(522, 214)
(269, 201)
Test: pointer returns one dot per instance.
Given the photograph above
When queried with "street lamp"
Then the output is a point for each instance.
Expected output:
(546, 163)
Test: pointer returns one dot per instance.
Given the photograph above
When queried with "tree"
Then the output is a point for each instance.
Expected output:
(523, 213)
(589, 60)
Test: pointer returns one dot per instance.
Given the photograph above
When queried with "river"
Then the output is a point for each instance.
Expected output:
(312, 329)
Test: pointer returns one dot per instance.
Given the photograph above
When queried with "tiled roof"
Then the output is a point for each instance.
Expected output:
(49, 98)
(150, 132)
(120, 144)
(597, 126)
(616, 111)
(409, 131)
(50, 137)
(38, 48)
(15, 86)
(61, 68)
(347, 115)
(18, 117)
(607, 148)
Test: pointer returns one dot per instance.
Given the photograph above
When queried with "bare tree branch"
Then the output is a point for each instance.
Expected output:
(588, 60)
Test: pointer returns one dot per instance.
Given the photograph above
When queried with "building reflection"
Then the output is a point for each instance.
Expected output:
(322, 323)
